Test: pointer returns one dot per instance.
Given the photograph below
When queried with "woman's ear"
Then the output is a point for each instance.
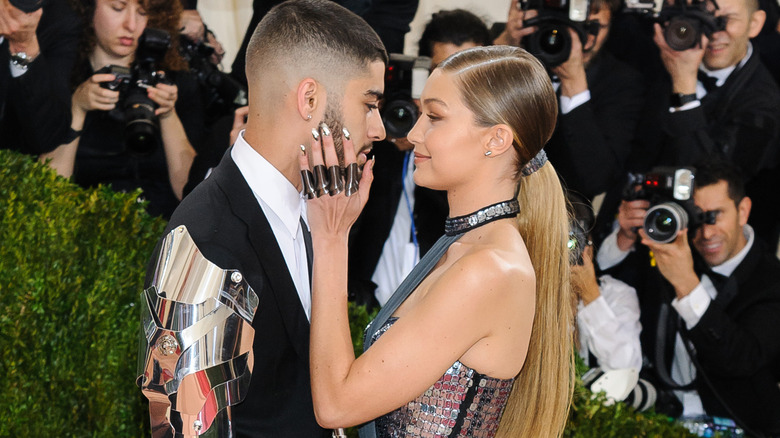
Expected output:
(499, 139)
(310, 97)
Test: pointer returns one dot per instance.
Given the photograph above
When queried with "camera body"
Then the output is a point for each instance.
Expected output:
(551, 43)
(222, 94)
(135, 107)
(683, 22)
(670, 192)
(405, 78)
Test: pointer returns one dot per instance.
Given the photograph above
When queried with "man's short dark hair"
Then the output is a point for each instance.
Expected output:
(455, 26)
(307, 34)
(712, 172)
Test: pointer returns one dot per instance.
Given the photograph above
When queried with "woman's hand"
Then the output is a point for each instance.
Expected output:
(334, 213)
(164, 95)
(91, 96)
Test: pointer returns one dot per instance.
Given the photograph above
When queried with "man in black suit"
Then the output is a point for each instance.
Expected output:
(37, 52)
(309, 62)
(725, 304)
(600, 99)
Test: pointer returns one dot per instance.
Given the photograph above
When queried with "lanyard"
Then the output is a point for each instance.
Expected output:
(409, 205)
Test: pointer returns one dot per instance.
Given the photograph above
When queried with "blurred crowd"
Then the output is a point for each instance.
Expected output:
(667, 142)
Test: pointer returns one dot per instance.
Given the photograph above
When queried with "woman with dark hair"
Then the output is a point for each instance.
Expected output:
(100, 151)
(477, 341)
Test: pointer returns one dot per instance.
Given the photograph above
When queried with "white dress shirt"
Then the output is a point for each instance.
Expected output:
(284, 207)
(609, 326)
(568, 104)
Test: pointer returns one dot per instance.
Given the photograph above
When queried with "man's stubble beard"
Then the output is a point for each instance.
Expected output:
(335, 120)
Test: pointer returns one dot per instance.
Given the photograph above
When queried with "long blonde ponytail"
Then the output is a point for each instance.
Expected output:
(506, 85)
(539, 402)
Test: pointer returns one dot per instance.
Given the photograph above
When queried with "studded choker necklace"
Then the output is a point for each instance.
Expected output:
(461, 224)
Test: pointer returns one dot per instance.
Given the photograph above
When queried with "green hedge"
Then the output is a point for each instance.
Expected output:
(72, 263)
(71, 270)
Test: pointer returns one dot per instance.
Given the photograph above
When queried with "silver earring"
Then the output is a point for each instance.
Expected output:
(308, 117)
(488, 153)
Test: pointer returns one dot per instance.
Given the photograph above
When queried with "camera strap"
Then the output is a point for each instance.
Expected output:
(663, 329)
(701, 374)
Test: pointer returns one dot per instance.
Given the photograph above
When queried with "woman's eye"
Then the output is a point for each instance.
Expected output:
(433, 117)
(371, 106)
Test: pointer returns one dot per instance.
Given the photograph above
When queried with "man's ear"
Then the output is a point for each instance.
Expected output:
(757, 20)
(498, 140)
(743, 210)
(310, 96)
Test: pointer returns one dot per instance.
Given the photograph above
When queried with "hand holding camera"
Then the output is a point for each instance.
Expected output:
(631, 217)
(674, 261)
(92, 95)
(682, 65)
(583, 278)
(572, 71)
(515, 30)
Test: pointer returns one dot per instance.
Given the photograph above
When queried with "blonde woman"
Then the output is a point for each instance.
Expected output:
(477, 341)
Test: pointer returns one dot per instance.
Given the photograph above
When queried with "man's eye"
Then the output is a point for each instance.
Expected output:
(371, 106)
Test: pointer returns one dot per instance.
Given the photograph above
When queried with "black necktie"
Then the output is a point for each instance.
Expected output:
(309, 249)
(710, 83)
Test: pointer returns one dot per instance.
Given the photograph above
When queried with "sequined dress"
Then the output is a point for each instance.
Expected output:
(462, 403)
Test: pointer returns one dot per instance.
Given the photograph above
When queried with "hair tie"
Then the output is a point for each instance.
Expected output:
(535, 164)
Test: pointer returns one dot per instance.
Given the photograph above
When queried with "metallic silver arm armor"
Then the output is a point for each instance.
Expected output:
(195, 358)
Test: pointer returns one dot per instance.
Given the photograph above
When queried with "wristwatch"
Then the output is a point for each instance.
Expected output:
(21, 60)
(678, 99)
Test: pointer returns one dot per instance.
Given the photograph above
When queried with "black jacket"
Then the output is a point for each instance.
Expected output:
(591, 144)
(230, 229)
(736, 341)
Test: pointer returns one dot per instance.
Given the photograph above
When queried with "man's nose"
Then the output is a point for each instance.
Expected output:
(376, 129)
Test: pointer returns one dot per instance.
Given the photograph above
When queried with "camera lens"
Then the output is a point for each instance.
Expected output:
(682, 33)
(141, 128)
(399, 117)
(551, 44)
(664, 221)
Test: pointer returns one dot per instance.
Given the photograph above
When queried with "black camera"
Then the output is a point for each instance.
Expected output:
(27, 6)
(551, 43)
(670, 192)
(135, 107)
(404, 81)
(222, 94)
(683, 22)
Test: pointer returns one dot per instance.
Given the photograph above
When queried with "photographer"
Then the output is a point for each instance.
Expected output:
(716, 348)
(719, 100)
(600, 100)
(37, 48)
(607, 308)
(99, 152)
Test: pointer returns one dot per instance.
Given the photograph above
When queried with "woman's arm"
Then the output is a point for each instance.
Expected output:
(179, 153)
(461, 310)
(88, 96)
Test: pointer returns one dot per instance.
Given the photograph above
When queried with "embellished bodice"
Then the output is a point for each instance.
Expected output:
(462, 403)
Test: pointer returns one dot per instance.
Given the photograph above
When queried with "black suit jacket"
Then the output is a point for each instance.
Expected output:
(591, 144)
(373, 227)
(736, 341)
(35, 107)
(230, 229)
